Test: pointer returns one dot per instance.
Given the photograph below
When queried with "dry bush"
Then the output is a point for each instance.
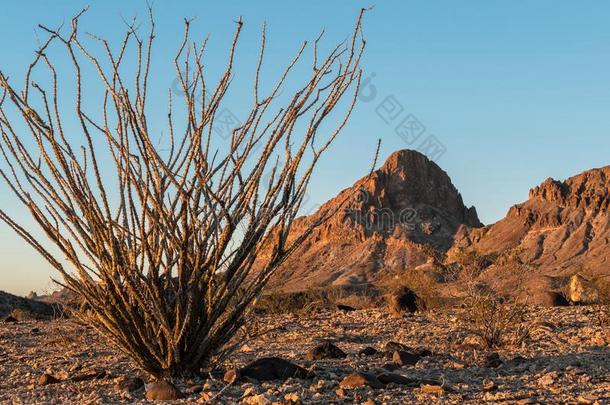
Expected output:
(496, 320)
(164, 241)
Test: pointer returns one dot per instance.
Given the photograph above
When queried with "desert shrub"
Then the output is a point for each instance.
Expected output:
(495, 319)
(169, 241)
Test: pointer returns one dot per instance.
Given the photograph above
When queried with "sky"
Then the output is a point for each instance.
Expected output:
(500, 94)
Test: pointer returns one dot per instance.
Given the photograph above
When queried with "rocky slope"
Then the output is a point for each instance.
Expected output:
(562, 229)
(385, 222)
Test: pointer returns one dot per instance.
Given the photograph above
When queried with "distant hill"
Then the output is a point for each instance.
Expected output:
(29, 307)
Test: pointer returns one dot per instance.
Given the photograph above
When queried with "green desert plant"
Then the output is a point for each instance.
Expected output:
(164, 242)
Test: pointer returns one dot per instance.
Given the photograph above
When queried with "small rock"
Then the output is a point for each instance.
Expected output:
(326, 350)
(345, 308)
(390, 366)
(292, 397)
(10, 319)
(340, 392)
(547, 379)
(94, 375)
(162, 391)
(357, 380)
(194, 389)
(129, 384)
(368, 351)
(47, 379)
(489, 385)
(492, 360)
(404, 358)
(231, 375)
(432, 389)
(259, 399)
(392, 378)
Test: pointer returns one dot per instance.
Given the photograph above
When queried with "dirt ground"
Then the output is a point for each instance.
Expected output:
(565, 359)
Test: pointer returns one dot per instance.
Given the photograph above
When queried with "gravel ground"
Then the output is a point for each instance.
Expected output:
(566, 359)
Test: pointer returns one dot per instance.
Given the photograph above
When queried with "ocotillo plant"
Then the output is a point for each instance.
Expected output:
(160, 242)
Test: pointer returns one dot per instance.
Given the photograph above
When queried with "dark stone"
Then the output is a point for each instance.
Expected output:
(130, 384)
(345, 308)
(10, 319)
(35, 330)
(390, 367)
(393, 378)
(325, 350)
(424, 352)
(47, 379)
(368, 351)
(268, 369)
(162, 391)
(404, 358)
(492, 360)
(95, 375)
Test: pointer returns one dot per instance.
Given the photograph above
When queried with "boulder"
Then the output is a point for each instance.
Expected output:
(162, 391)
(582, 291)
(326, 350)
(47, 379)
(268, 369)
(404, 358)
(368, 351)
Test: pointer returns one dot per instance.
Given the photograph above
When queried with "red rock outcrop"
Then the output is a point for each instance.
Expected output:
(384, 222)
(562, 229)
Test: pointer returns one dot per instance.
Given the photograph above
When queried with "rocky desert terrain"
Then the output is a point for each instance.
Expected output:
(405, 228)
(362, 356)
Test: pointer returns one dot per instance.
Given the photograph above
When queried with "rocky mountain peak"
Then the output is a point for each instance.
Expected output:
(383, 222)
(588, 190)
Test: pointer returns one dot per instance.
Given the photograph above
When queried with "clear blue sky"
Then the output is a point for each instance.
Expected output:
(515, 91)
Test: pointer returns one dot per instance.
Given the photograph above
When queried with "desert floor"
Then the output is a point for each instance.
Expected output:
(566, 359)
